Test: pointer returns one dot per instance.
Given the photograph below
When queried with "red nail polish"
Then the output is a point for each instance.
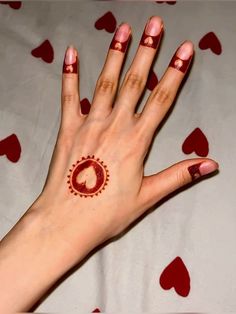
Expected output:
(194, 171)
(121, 38)
(182, 57)
(70, 61)
(152, 33)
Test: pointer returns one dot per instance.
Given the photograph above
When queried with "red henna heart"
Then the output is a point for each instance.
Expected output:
(96, 310)
(210, 41)
(10, 147)
(85, 106)
(176, 276)
(13, 4)
(44, 51)
(107, 22)
(196, 142)
(152, 80)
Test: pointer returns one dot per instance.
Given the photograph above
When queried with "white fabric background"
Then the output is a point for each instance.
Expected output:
(199, 224)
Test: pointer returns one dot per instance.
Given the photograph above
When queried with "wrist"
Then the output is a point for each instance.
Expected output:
(33, 256)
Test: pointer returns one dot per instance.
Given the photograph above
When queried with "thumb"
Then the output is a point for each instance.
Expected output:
(159, 185)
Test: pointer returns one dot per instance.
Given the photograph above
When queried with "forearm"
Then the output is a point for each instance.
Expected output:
(32, 259)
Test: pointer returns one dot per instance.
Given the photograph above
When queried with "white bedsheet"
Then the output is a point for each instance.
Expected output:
(198, 224)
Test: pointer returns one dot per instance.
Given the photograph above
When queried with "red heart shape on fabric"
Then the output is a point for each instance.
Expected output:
(168, 2)
(176, 276)
(107, 22)
(152, 80)
(10, 147)
(210, 41)
(13, 4)
(96, 310)
(44, 51)
(196, 142)
(85, 106)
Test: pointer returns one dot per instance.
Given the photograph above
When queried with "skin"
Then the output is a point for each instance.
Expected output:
(60, 229)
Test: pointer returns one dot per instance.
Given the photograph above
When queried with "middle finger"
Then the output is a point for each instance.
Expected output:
(136, 77)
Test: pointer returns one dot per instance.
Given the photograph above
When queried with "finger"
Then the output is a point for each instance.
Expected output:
(70, 88)
(164, 93)
(108, 79)
(159, 185)
(136, 77)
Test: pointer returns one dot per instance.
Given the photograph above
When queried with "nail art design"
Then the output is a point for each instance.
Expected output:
(70, 61)
(121, 38)
(88, 177)
(179, 64)
(182, 57)
(152, 33)
(195, 171)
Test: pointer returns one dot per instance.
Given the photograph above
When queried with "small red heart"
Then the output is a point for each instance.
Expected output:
(96, 310)
(85, 106)
(210, 41)
(13, 4)
(152, 80)
(176, 276)
(10, 147)
(168, 2)
(44, 51)
(107, 22)
(196, 142)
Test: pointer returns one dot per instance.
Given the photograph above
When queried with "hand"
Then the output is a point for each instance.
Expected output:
(96, 174)
(96, 185)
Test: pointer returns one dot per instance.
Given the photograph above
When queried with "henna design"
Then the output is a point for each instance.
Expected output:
(71, 67)
(150, 41)
(118, 45)
(195, 171)
(88, 177)
(179, 64)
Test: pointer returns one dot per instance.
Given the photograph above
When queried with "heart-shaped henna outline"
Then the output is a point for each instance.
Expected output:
(88, 177)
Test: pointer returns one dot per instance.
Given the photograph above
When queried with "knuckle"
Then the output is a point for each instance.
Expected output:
(68, 98)
(105, 85)
(181, 177)
(134, 81)
(161, 94)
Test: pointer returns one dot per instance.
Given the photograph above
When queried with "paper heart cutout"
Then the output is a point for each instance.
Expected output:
(196, 142)
(210, 41)
(10, 147)
(13, 4)
(96, 310)
(176, 276)
(44, 51)
(152, 80)
(107, 22)
(87, 177)
(85, 106)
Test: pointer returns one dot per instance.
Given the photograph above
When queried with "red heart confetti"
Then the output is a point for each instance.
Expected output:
(152, 80)
(13, 4)
(44, 51)
(168, 2)
(10, 147)
(196, 142)
(107, 22)
(85, 106)
(176, 276)
(210, 41)
(96, 310)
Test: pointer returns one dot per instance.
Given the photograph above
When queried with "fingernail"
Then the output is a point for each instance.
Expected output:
(121, 38)
(70, 60)
(152, 33)
(202, 169)
(182, 57)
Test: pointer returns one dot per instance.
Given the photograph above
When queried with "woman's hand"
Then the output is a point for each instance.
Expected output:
(96, 174)
(96, 185)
